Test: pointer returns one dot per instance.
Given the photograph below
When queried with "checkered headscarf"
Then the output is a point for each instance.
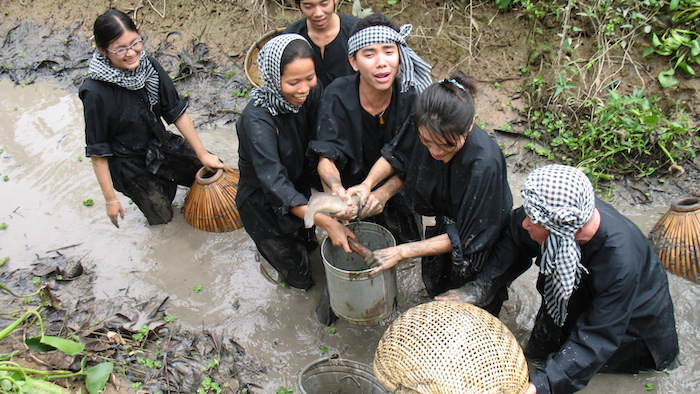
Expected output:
(561, 199)
(145, 74)
(414, 70)
(270, 94)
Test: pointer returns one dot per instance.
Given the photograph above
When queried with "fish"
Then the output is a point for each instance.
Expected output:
(326, 203)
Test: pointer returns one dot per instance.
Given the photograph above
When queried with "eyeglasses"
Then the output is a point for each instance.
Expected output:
(136, 46)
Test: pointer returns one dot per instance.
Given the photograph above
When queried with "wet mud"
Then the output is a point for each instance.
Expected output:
(261, 334)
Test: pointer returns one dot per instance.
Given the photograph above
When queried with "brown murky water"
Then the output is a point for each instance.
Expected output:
(42, 203)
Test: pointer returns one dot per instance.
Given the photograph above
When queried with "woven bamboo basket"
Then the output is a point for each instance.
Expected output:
(676, 238)
(210, 204)
(250, 63)
(450, 347)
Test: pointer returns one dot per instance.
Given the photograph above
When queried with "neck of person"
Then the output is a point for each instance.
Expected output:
(588, 231)
(323, 36)
(374, 101)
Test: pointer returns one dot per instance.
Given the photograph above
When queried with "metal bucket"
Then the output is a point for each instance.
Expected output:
(355, 295)
(338, 376)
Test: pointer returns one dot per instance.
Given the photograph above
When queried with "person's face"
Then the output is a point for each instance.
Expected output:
(440, 148)
(297, 80)
(378, 65)
(125, 51)
(537, 232)
(317, 12)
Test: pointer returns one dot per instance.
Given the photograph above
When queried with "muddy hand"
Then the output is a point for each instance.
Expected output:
(383, 259)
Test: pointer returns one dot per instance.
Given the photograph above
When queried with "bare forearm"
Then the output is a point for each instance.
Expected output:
(328, 172)
(186, 127)
(389, 188)
(429, 247)
(101, 168)
(380, 171)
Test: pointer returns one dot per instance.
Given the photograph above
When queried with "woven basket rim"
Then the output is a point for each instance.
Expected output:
(248, 61)
(688, 204)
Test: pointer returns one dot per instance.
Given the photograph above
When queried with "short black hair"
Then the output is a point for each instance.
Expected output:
(110, 26)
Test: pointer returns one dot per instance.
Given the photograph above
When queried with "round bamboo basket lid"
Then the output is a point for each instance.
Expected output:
(250, 63)
(450, 347)
(210, 204)
(676, 238)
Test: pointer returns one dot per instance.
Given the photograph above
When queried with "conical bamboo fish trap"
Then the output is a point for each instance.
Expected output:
(450, 347)
(250, 63)
(676, 238)
(210, 204)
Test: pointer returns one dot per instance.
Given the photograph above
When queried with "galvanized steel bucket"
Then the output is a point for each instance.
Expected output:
(355, 295)
(328, 375)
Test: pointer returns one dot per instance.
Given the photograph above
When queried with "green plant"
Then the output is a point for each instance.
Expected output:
(332, 330)
(4, 260)
(88, 202)
(19, 379)
(683, 48)
(3, 226)
(5, 178)
(169, 318)
(242, 92)
(208, 385)
(197, 289)
(649, 387)
(285, 390)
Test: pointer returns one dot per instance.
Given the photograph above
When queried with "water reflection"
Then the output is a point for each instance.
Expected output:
(42, 202)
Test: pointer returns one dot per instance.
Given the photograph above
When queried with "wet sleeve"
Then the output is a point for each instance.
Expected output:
(97, 135)
(330, 139)
(172, 106)
(485, 204)
(599, 330)
(399, 151)
(260, 139)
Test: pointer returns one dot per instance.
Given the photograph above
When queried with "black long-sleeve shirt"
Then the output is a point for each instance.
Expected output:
(623, 298)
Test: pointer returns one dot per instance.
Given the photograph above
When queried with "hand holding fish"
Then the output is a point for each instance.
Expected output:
(339, 235)
(330, 204)
(383, 259)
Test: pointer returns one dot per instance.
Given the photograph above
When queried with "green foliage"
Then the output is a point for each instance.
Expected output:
(649, 387)
(332, 330)
(285, 390)
(88, 202)
(197, 289)
(4, 260)
(625, 135)
(683, 48)
(242, 92)
(208, 385)
(3, 226)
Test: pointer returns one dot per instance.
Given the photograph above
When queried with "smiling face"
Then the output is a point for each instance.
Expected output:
(439, 147)
(317, 12)
(297, 80)
(537, 232)
(378, 65)
(131, 58)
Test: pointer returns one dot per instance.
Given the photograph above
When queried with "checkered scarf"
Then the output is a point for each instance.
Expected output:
(145, 74)
(414, 71)
(561, 199)
(270, 94)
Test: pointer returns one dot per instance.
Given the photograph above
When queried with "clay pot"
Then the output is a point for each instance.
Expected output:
(676, 238)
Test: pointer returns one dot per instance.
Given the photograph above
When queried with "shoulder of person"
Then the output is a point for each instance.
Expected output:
(343, 86)
(298, 27)
(93, 86)
(347, 21)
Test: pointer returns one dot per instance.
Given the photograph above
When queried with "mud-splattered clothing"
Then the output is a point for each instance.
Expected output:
(353, 138)
(620, 317)
(469, 196)
(275, 177)
(146, 161)
(334, 62)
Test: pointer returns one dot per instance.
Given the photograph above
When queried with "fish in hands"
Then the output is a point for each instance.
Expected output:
(329, 204)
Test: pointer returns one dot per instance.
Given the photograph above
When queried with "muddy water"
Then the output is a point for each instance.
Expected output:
(42, 203)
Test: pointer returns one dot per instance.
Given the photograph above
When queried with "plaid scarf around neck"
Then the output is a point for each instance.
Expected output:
(270, 94)
(145, 75)
(415, 72)
(561, 199)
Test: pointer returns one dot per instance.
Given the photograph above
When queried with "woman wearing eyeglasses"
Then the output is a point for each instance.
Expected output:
(126, 98)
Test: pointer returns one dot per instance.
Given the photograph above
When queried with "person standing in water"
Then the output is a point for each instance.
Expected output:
(327, 31)
(452, 170)
(361, 113)
(273, 133)
(126, 98)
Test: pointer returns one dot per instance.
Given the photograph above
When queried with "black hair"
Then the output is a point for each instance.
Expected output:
(296, 49)
(298, 3)
(110, 26)
(447, 108)
(376, 19)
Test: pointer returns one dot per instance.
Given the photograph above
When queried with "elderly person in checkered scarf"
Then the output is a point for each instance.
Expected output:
(606, 306)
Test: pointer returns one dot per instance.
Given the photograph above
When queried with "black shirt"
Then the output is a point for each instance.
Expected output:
(120, 122)
(471, 189)
(334, 62)
(272, 154)
(347, 134)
